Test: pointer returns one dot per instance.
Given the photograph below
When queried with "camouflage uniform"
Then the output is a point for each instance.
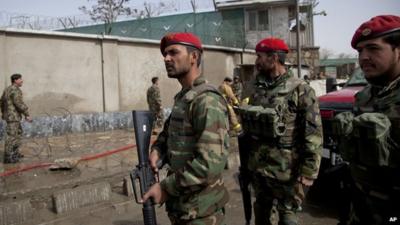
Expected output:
(237, 89)
(277, 161)
(154, 102)
(227, 92)
(12, 108)
(195, 141)
(376, 193)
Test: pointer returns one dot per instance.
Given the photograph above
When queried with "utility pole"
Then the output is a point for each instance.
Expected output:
(298, 39)
(194, 7)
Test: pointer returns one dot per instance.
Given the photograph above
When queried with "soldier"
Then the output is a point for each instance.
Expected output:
(12, 109)
(194, 140)
(237, 87)
(285, 133)
(226, 91)
(375, 160)
(154, 102)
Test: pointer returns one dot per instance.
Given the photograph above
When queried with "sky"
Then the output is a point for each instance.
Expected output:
(333, 31)
(336, 30)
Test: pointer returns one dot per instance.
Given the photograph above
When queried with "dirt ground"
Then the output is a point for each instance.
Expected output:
(125, 211)
(122, 210)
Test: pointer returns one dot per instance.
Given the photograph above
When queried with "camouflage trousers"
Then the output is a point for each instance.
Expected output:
(12, 142)
(218, 218)
(276, 202)
(374, 208)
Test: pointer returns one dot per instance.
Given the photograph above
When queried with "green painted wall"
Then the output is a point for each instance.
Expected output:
(214, 28)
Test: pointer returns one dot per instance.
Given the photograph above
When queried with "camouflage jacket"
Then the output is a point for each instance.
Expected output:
(154, 98)
(297, 152)
(12, 104)
(228, 94)
(237, 89)
(195, 141)
(385, 100)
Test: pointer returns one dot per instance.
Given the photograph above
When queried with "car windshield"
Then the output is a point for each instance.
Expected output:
(357, 78)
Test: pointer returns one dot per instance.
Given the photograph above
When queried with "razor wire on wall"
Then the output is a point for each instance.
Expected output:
(141, 9)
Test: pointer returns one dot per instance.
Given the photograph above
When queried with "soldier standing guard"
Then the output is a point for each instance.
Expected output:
(285, 136)
(373, 147)
(194, 140)
(154, 102)
(12, 109)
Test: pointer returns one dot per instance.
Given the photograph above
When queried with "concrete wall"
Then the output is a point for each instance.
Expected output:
(212, 65)
(92, 73)
(57, 71)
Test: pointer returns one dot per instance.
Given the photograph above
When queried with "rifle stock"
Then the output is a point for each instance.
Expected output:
(244, 177)
(143, 122)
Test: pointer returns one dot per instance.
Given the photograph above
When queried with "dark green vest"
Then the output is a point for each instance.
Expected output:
(376, 159)
(270, 114)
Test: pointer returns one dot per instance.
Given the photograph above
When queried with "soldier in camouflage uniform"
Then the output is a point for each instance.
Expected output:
(12, 108)
(194, 140)
(237, 87)
(374, 149)
(284, 125)
(154, 102)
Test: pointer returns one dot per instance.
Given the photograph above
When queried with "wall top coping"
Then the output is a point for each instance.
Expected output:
(122, 39)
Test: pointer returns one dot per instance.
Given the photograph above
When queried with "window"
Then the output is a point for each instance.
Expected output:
(252, 20)
(257, 20)
(263, 20)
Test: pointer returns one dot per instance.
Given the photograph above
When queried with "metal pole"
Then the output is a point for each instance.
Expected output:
(311, 15)
(298, 39)
(103, 89)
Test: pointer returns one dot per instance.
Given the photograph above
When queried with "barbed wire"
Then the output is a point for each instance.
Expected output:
(143, 9)
(37, 22)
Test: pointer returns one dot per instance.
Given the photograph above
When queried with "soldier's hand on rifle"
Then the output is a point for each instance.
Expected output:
(159, 196)
(153, 158)
(304, 180)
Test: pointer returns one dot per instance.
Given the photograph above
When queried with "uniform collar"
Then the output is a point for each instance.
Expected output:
(198, 81)
(14, 86)
(261, 80)
(392, 85)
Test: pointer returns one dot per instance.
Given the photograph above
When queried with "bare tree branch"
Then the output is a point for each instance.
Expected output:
(193, 4)
(325, 53)
(107, 11)
(152, 10)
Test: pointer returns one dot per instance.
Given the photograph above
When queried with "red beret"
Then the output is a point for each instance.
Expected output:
(376, 27)
(188, 39)
(271, 45)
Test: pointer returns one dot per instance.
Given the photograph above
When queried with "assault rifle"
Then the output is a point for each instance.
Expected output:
(245, 176)
(143, 124)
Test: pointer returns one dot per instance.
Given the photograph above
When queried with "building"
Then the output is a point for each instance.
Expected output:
(339, 68)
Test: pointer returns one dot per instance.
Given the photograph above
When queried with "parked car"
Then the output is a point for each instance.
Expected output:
(335, 102)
